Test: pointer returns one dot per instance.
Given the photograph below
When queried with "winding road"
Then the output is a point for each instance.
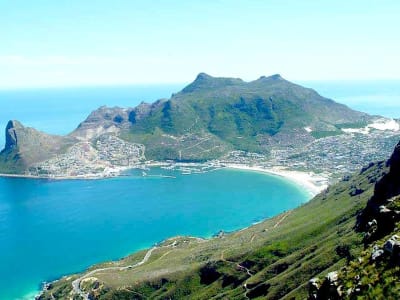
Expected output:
(76, 289)
(77, 282)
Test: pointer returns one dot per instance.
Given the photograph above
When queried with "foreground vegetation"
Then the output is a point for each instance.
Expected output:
(273, 259)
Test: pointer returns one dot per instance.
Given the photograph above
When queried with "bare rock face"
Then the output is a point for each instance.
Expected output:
(11, 134)
(389, 185)
(101, 121)
(376, 211)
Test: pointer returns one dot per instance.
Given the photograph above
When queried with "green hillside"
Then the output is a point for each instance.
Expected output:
(220, 114)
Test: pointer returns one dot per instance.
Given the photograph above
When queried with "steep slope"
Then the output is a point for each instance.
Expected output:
(274, 259)
(375, 274)
(103, 120)
(26, 146)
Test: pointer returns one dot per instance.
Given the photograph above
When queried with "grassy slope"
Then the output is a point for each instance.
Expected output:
(11, 162)
(281, 253)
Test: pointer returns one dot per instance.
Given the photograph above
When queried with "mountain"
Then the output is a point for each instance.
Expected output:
(226, 113)
(26, 146)
(284, 257)
(206, 120)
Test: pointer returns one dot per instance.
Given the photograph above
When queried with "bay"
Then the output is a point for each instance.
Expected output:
(53, 228)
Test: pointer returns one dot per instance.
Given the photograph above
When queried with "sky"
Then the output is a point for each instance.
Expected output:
(45, 43)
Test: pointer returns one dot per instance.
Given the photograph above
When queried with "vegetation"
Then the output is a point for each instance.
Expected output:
(10, 162)
(232, 114)
(206, 120)
(273, 259)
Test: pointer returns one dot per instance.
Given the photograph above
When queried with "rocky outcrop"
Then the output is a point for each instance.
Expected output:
(11, 134)
(372, 274)
(25, 146)
(329, 288)
(377, 219)
(101, 121)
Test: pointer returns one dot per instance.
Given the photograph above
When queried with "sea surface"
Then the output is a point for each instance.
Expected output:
(379, 97)
(53, 228)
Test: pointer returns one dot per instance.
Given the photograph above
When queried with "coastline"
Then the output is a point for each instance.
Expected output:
(312, 183)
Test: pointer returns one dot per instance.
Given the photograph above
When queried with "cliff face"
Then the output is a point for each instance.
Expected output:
(101, 121)
(25, 146)
(389, 186)
(377, 219)
(11, 134)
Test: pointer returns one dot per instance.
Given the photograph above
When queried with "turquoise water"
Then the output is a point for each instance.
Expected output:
(53, 228)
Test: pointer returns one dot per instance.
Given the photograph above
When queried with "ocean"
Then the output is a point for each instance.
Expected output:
(379, 97)
(52, 228)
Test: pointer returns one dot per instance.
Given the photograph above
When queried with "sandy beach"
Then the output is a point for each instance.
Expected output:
(312, 183)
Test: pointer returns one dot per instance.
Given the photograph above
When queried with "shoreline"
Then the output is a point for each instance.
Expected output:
(312, 183)
(309, 182)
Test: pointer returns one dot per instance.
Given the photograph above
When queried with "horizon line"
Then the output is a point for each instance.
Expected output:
(173, 83)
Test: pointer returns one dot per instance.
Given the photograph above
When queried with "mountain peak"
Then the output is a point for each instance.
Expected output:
(205, 81)
(274, 77)
(11, 133)
(203, 76)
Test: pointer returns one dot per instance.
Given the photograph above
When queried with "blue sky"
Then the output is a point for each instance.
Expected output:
(62, 43)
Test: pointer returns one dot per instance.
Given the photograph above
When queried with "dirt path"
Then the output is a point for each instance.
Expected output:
(77, 282)
(283, 218)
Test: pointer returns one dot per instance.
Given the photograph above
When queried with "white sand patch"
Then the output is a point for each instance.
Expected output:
(385, 124)
(364, 130)
(311, 182)
(382, 124)
(308, 129)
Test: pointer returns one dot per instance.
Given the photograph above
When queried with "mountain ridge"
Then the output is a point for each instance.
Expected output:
(205, 120)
